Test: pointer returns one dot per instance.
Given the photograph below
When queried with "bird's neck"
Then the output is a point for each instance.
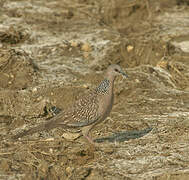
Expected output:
(110, 78)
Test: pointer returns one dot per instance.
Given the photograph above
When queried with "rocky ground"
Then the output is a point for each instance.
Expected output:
(53, 51)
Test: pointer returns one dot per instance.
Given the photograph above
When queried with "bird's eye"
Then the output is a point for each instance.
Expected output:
(116, 70)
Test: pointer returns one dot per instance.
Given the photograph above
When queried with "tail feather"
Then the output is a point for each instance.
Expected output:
(39, 128)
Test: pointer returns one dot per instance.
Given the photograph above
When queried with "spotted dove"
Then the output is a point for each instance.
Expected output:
(87, 111)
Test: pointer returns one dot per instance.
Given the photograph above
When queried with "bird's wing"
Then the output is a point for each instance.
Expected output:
(84, 111)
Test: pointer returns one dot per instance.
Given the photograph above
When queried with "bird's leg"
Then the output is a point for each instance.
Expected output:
(85, 132)
(89, 139)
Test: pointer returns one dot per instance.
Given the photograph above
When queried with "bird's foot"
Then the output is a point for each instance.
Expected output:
(91, 142)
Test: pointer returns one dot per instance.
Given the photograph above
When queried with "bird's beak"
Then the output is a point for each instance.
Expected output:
(124, 74)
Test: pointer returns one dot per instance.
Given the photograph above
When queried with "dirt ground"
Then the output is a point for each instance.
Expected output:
(53, 51)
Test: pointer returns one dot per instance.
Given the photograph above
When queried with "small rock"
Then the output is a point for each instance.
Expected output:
(86, 86)
(86, 47)
(74, 44)
(137, 80)
(70, 136)
(34, 89)
(49, 139)
(51, 150)
(129, 48)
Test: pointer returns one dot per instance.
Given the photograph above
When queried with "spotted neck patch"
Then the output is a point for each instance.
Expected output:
(103, 87)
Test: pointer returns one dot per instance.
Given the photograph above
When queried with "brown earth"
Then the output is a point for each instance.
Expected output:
(51, 51)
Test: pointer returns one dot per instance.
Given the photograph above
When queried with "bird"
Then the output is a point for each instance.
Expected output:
(86, 112)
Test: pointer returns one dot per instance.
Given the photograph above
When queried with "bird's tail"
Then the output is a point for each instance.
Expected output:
(39, 128)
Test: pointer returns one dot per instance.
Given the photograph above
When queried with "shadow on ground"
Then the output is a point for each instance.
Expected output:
(124, 136)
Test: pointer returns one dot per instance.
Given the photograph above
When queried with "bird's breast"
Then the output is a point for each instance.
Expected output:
(105, 105)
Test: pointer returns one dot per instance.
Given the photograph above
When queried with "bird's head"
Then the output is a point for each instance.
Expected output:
(114, 70)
